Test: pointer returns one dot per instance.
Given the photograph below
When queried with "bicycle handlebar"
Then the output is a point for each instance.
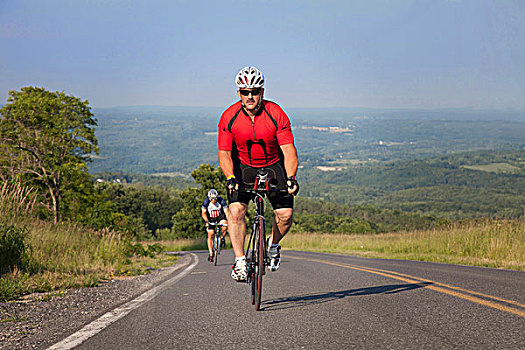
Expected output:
(262, 190)
(216, 224)
(261, 185)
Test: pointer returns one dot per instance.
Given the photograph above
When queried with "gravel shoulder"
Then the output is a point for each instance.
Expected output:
(35, 324)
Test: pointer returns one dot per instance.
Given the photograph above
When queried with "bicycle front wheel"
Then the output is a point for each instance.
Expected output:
(252, 277)
(259, 267)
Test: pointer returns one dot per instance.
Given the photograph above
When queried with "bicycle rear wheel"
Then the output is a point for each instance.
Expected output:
(259, 267)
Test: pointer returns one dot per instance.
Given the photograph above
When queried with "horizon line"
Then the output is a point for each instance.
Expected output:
(470, 109)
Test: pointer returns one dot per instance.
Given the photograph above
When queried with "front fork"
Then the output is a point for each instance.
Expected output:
(260, 218)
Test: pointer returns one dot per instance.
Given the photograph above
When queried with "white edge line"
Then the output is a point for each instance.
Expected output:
(114, 315)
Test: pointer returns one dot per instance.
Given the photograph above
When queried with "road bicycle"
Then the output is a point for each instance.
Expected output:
(256, 252)
(217, 235)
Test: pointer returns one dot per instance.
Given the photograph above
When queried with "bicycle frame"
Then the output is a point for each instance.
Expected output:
(258, 221)
(256, 251)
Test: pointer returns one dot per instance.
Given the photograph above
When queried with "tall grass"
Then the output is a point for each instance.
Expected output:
(14, 250)
(185, 244)
(493, 243)
(16, 201)
(73, 248)
(56, 256)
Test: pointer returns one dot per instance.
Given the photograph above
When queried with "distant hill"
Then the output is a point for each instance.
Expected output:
(156, 139)
(468, 164)
(471, 184)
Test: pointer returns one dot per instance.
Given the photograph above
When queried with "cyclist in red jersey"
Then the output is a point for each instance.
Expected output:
(256, 133)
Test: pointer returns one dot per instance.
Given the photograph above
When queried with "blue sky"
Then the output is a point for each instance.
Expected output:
(383, 54)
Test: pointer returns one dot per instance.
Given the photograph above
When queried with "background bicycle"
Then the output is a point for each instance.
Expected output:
(218, 240)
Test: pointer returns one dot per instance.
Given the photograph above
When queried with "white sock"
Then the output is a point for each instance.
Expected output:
(274, 245)
(239, 259)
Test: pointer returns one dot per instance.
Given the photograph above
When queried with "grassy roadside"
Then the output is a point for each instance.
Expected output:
(489, 243)
(70, 256)
(185, 244)
(39, 256)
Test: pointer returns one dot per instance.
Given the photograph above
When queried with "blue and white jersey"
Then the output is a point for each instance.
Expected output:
(214, 211)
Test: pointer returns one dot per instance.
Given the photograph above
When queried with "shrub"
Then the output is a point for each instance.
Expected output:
(156, 248)
(10, 288)
(150, 251)
(14, 251)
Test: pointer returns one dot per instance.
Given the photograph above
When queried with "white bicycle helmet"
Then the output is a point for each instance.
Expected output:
(249, 78)
(212, 194)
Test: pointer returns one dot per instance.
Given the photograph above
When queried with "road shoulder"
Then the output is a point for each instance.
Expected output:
(35, 324)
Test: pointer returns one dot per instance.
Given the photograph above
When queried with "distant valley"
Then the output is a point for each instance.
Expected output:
(432, 162)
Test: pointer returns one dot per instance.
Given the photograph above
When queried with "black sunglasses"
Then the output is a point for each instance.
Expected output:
(254, 92)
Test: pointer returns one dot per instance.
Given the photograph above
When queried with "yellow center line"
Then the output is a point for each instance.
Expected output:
(413, 279)
(454, 287)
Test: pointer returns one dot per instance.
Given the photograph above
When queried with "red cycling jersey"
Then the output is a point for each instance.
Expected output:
(257, 142)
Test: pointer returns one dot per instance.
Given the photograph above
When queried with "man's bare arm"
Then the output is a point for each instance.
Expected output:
(226, 163)
(291, 162)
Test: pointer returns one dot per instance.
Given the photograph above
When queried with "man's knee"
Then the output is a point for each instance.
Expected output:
(237, 213)
(284, 216)
(225, 227)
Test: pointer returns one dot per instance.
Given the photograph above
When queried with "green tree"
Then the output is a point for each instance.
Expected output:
(151, 209)
(46, 139)
(188, 221)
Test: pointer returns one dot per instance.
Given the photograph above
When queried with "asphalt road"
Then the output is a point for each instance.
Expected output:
(326, 301)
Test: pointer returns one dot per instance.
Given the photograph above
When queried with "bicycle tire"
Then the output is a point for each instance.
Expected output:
(251, 267)
(216, 250)
(260, 264)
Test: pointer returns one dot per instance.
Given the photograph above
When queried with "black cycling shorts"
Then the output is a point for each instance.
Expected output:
(245, 176)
